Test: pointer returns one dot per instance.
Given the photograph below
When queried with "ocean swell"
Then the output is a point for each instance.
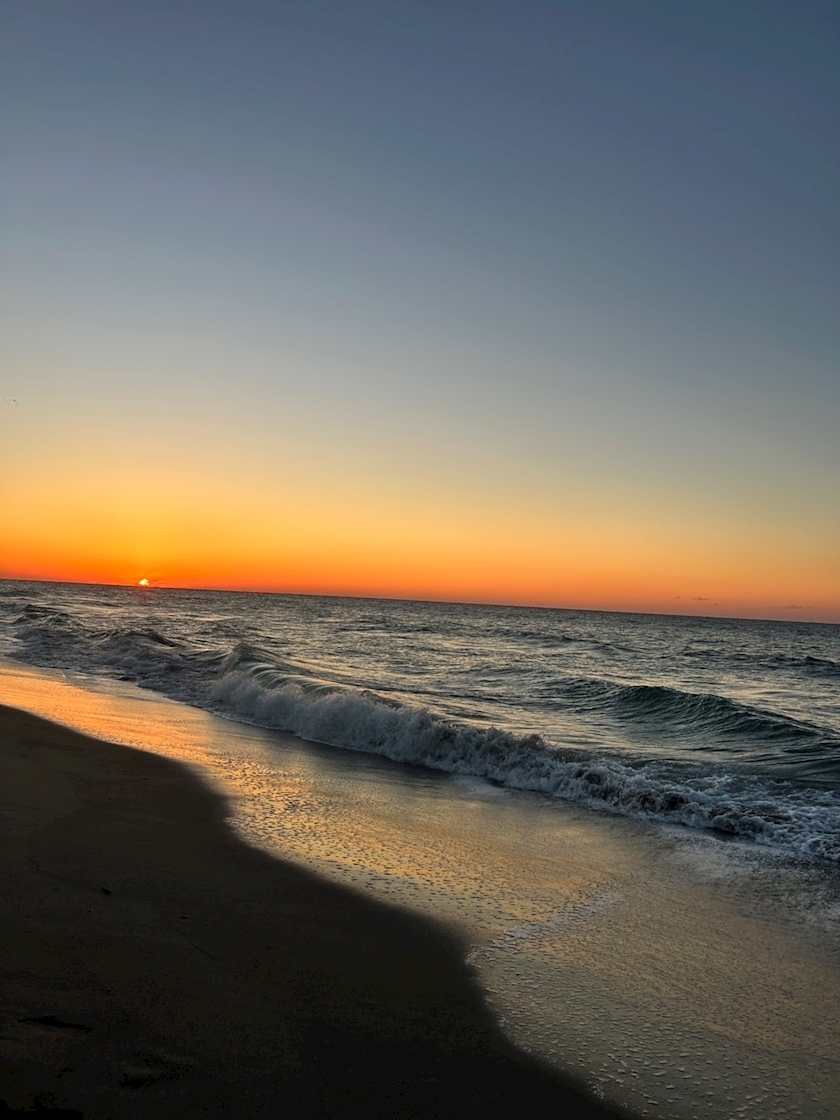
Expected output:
(675, 712)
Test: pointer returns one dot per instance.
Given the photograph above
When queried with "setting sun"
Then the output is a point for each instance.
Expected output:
(465, 376)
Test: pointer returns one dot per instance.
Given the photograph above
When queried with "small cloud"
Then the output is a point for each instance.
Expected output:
(701, 599)
(795, 607)
(10, 400)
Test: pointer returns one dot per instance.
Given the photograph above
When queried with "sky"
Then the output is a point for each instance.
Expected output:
(503, 301)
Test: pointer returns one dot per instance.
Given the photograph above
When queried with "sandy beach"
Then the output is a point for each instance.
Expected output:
(154, 965)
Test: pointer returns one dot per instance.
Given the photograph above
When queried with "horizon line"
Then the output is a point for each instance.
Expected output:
(153, 586)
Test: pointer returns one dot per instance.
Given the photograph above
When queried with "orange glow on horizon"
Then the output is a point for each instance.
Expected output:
(633, 585)
(184, 532)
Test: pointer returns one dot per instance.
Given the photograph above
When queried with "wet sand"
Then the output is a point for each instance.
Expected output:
(154, 965)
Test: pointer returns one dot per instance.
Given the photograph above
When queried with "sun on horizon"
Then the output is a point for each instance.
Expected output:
(432, 369)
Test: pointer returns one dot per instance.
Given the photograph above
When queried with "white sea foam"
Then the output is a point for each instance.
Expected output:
(804, 820)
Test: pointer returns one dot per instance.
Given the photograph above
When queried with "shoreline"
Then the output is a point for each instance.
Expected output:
(155, 965)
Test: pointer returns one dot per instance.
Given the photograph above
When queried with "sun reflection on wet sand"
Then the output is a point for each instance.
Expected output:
(643, 958)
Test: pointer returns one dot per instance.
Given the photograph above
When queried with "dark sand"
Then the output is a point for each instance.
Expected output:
(155, 966)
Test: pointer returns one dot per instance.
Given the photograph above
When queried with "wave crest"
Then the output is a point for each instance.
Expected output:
(807, 821)
(676, 712)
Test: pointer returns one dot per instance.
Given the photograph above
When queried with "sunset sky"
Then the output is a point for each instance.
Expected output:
(501, 301)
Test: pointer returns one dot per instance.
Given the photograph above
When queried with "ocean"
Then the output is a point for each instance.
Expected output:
(721, 724)
(634, 820)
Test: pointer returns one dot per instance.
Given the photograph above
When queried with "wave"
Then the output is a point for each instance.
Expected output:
(254, 685)
(821, 666)
(47, 632)
(675, 712)
(799, 664)
(807, 821)
(51, 637)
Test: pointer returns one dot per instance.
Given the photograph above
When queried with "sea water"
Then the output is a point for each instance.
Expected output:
(634, 820)
(724, 725)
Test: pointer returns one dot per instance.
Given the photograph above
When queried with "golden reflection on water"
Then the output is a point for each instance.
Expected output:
(646, 959)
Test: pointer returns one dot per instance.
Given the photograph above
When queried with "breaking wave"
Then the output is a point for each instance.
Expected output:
(737, 805)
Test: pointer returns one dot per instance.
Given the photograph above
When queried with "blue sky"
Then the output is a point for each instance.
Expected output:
(561, 257)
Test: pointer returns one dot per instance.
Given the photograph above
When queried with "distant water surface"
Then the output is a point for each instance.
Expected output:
(729, 726)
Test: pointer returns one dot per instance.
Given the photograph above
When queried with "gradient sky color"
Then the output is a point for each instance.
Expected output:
(519, 302)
